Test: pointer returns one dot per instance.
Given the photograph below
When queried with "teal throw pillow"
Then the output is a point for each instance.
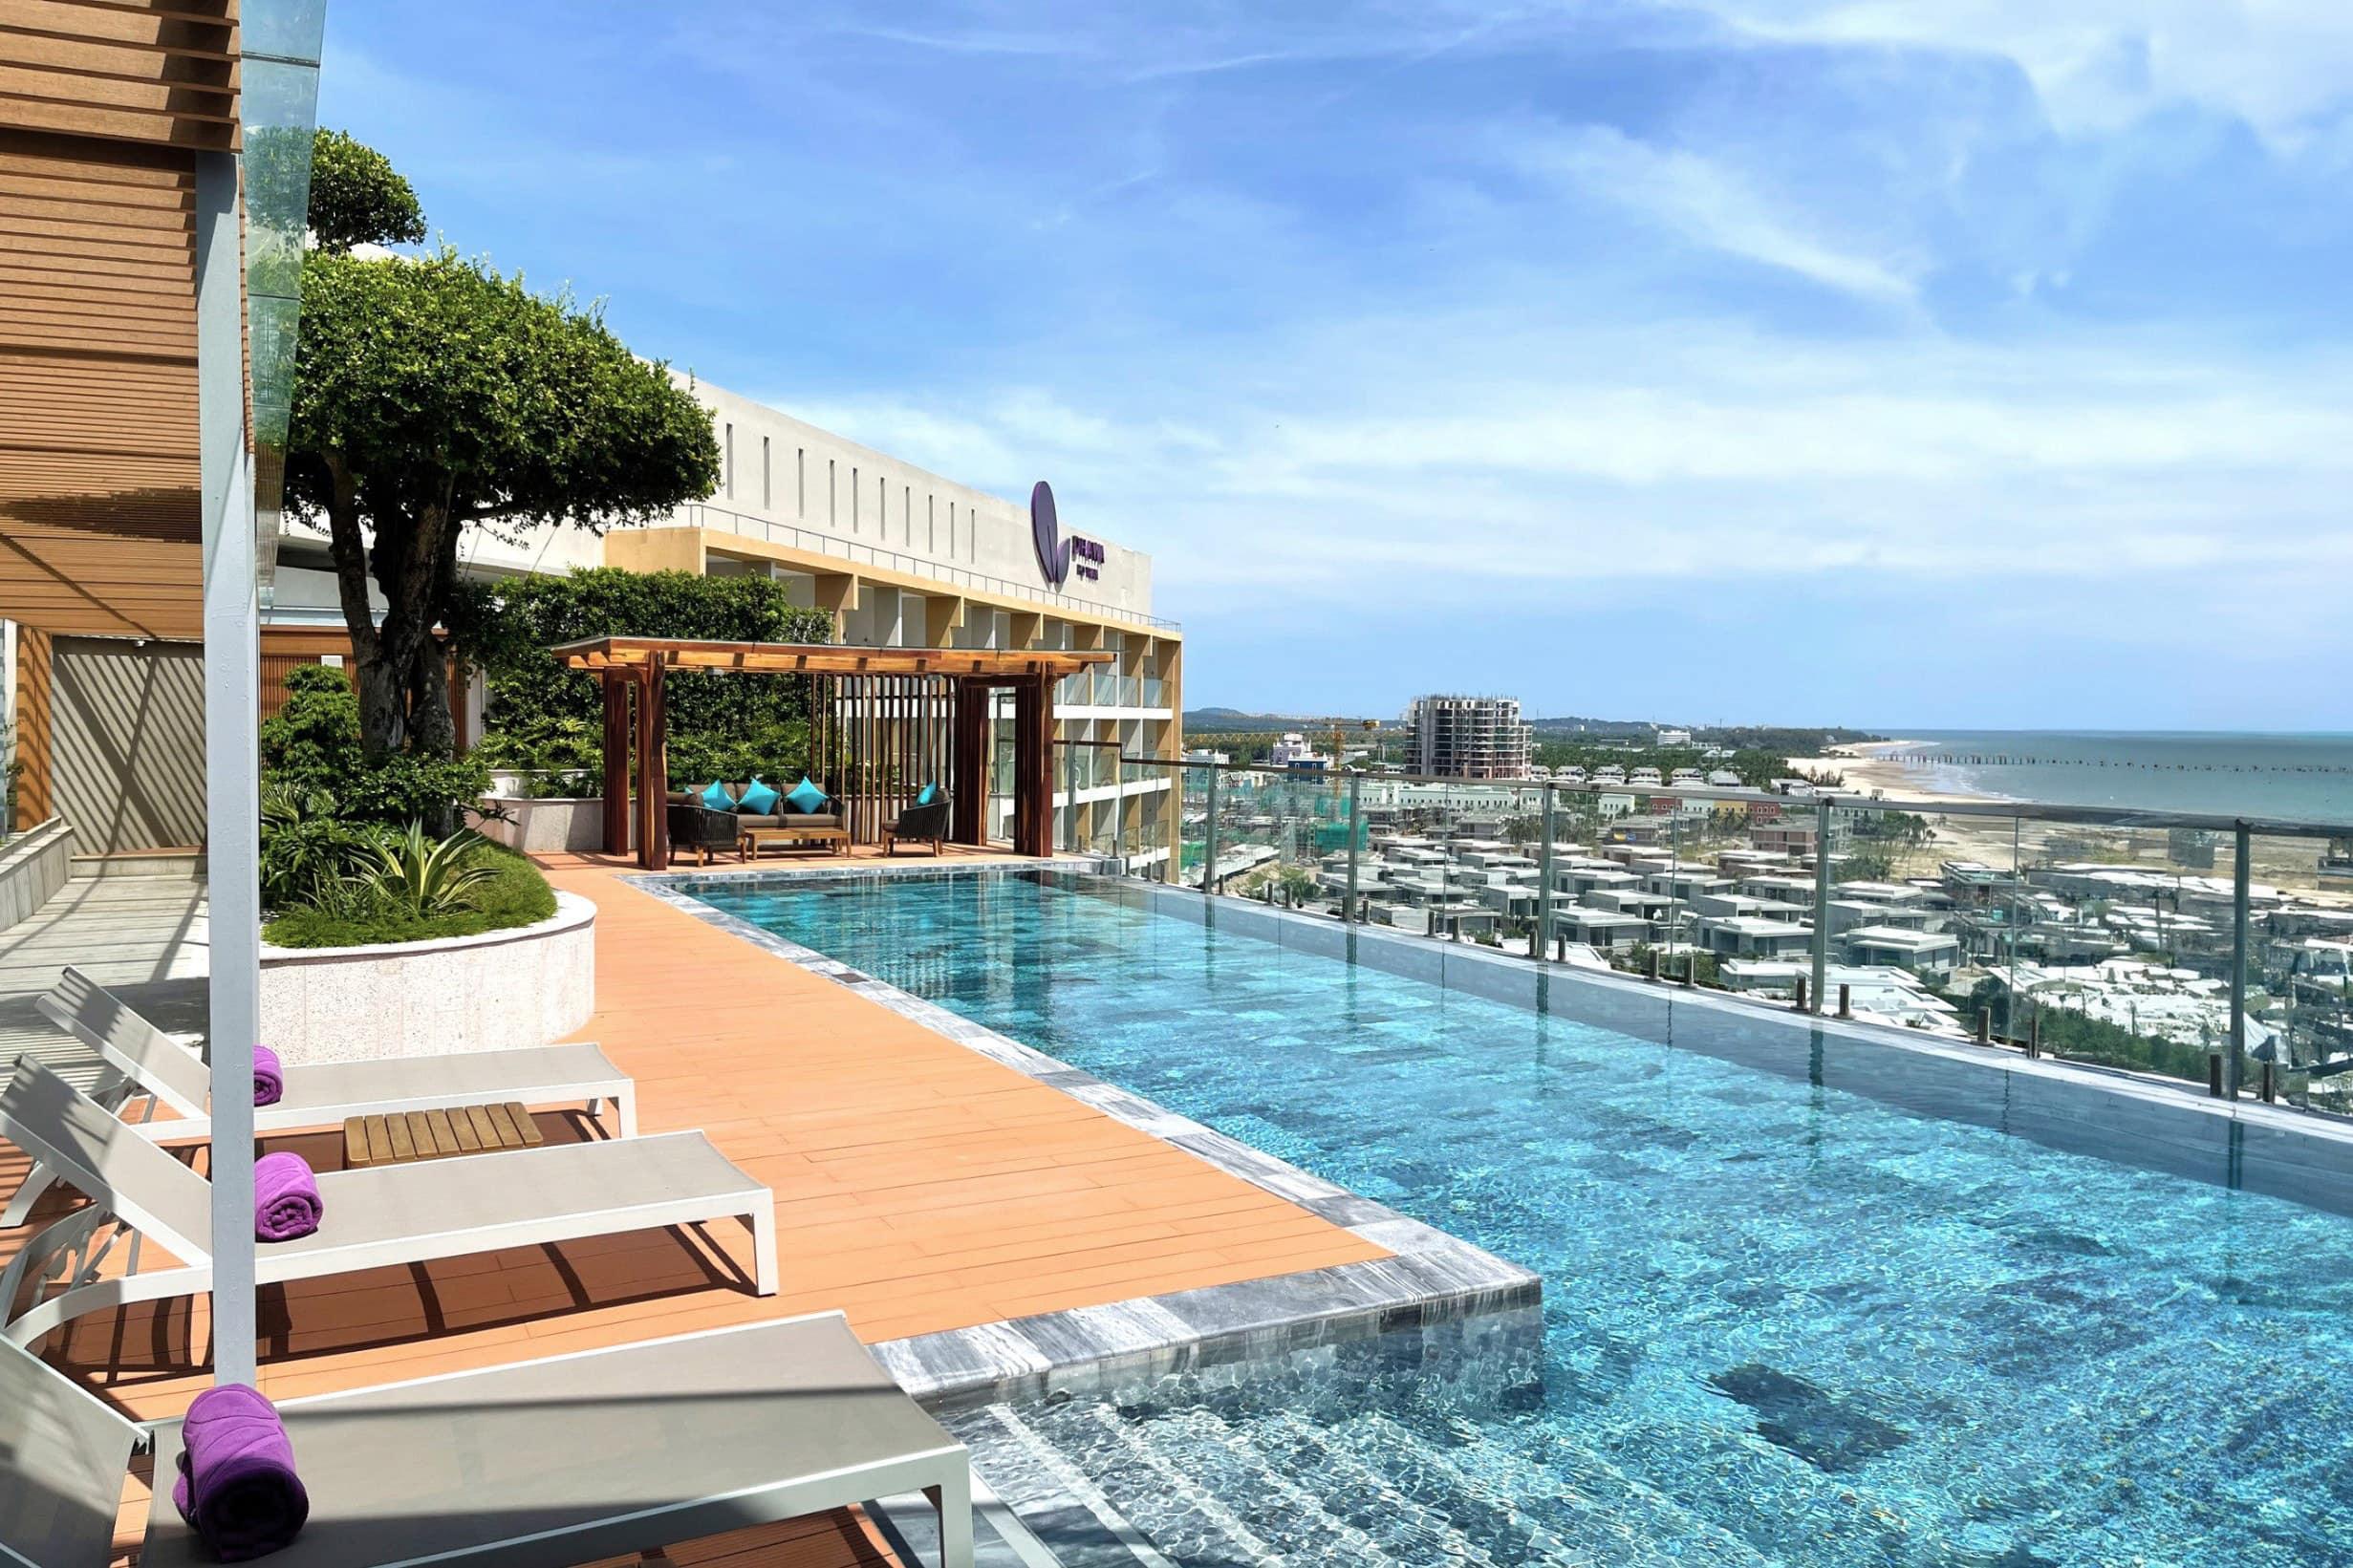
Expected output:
(806, 797)
(759, 799)
(931, 793)
(717, 799)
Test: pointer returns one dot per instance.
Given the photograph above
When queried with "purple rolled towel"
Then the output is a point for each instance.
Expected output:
(285, 1201)
(237, 1486)
(269, 1078)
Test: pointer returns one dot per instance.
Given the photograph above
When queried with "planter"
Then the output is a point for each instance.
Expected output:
(547, 825)
(33, 867)
(500, 991)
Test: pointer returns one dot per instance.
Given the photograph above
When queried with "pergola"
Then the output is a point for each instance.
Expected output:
(884, 722)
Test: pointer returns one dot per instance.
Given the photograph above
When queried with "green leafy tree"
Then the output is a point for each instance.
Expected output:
(357, 197)
(435, 396)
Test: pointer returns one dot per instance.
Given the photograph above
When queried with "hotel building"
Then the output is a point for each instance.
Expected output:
(902, 558)
(1469, 737)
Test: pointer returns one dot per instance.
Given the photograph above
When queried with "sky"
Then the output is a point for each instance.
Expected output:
(1894, 363)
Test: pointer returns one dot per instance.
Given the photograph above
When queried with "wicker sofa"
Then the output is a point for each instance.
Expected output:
(697, 829)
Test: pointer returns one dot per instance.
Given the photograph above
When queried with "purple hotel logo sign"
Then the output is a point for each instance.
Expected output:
(1055, 553)
(1045, 532)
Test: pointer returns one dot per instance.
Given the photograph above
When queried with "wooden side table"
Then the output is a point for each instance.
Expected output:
(407, 1136)
(754, 840)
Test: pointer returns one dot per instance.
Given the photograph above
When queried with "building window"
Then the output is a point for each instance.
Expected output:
(764, 502)
(726, 463)
(854, 498)
(831, 519)
(882, 508)
(800, 482)
(906, 512)
(951, 530)
(930, 524)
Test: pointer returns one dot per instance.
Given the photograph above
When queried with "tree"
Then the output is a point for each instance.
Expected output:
(434, 394)
(357, 197)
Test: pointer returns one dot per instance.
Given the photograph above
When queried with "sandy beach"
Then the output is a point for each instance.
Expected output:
(1877, 769)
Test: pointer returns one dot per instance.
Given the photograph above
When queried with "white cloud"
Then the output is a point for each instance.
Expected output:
(1712, 204)
(2283, 66)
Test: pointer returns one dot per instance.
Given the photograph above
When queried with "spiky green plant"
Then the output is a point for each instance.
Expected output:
(414, 874)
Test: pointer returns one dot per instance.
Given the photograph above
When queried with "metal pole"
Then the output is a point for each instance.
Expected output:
(232, 755)
(2240, 876)
(1821, 901)
(1209, 841)
(1348, 911)
(1119, 808)
(1542, 945)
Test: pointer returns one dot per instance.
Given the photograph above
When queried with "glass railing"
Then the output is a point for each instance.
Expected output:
(2122, 940)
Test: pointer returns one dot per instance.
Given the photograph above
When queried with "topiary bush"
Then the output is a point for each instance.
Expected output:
(355, 853)
(310, 746)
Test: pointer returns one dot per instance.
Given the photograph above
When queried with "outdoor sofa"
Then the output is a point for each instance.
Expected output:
(142, 1060)
(541, 1464)
(376, 1217)
(695, 827)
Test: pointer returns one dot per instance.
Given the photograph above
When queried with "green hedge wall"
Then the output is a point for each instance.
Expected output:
(541, 716)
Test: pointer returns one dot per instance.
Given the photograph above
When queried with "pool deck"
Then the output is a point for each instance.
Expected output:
(922, 1188)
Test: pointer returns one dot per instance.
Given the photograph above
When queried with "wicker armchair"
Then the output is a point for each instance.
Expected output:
(916, 825)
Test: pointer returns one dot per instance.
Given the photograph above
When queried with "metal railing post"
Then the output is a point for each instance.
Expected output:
(1120, 810)
(1209, 843)
(1543, 946)
(1821, 902)
(1347, 910)
(1070, 795)
(2241, 875)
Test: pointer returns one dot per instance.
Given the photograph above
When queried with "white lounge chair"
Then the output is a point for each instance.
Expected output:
(144, 1060)
(544, 1464)
(373, 1218)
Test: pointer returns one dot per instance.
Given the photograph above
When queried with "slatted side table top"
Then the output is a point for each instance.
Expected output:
(406, 1136)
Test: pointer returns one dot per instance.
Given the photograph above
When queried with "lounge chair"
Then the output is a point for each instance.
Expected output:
(144, 1059)
(917, 823)
(553, 1462)
(376, 1217)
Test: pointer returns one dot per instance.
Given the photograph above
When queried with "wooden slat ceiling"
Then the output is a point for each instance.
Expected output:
(102, 105)
(819, 659)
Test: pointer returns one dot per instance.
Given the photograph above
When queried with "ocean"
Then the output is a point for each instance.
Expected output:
(2303, 777)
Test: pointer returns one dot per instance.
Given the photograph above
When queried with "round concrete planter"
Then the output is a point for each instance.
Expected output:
(571, 823)
(500, 991)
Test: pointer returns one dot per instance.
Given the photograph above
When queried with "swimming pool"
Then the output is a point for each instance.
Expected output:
(1782, 1322)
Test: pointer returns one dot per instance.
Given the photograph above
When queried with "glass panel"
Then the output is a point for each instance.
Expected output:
(2299, 970)
(2120, 950)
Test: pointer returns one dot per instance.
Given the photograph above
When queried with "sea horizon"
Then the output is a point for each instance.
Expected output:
(2281, 775)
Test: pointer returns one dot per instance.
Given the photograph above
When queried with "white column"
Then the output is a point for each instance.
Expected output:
(232, 764)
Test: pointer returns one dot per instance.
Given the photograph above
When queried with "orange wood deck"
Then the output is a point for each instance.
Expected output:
(919, 1187)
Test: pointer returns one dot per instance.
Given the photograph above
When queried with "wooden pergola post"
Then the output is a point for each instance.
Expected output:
(653, 772)
(968, 805)
(616, 762)
(1033, 766)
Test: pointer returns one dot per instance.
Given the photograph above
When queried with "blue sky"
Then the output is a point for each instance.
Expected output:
(1885, 362)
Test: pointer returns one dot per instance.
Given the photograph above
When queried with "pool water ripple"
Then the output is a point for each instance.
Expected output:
(1782, 1324)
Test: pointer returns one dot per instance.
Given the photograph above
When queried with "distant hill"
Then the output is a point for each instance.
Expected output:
(1235, 721)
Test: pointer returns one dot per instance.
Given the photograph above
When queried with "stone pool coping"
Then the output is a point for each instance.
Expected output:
(1431, 1277)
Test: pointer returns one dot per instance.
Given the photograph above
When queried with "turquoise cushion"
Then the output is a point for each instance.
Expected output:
(759, 799)
(805, 797)
(717, 799)
(931, 793)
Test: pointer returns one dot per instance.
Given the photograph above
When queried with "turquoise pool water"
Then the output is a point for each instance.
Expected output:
(1782, 1324)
